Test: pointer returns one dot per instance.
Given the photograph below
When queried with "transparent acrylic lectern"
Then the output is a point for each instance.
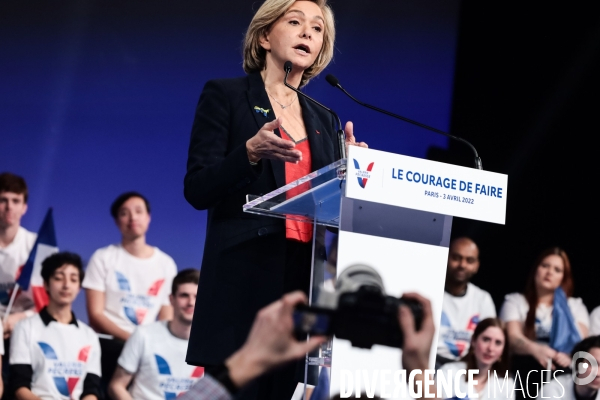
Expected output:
(392, 216)
(314, 198)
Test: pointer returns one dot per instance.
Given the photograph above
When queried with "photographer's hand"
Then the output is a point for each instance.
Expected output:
(417, 344)
(270, 342)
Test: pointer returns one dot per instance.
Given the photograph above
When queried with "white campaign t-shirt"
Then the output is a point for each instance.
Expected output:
(515, 308)
(595, 322)
(460, 316)
(157, 359)
(61, 355)
(495, 388)
(12, 258)
(135, 288)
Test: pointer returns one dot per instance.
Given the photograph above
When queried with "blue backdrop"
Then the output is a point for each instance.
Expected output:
(98, 98)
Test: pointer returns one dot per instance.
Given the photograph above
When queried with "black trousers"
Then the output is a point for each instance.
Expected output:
(5, 371)
(111, 350)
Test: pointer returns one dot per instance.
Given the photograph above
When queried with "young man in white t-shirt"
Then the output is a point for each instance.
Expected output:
(127, 284)
(154, 356)
(564, 387)
(52, 354)
(464, 303)
(16, 243)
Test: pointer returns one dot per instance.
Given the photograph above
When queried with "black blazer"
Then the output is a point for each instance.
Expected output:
(244, 254)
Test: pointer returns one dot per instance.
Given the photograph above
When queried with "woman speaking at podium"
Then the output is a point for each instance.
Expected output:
(252, 135)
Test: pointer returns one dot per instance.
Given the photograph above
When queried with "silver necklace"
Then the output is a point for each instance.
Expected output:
(282, 106)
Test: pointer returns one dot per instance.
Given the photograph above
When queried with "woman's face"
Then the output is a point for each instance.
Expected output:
(489, 346)
(297, 36)
(550, 273)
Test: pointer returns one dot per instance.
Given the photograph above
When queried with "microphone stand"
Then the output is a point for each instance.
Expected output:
(333, 81)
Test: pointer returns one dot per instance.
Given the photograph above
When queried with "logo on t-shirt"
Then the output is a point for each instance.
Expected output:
(173, 386)
(136, 306)
(66, 374)
(458, 340)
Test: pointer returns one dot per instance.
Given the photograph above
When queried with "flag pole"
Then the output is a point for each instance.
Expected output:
(13, 296)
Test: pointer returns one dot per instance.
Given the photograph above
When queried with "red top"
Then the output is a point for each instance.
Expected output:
(297, 230)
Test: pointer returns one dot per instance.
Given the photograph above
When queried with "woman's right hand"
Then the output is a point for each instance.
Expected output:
(266, 144)
(542, 353)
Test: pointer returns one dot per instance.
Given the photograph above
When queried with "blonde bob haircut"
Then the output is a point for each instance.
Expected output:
(269, 12)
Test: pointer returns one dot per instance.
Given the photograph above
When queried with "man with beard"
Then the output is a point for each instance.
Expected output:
(464, 303)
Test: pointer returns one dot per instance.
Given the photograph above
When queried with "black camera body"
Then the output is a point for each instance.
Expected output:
(360, 311)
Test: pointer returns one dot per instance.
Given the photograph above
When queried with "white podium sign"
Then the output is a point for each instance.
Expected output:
(396, 217)
(426, 185)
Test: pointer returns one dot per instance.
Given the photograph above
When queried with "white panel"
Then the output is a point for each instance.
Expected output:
(454, 190)
(404, 267)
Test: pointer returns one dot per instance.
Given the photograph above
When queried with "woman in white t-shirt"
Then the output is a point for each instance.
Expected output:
(127, 284)
(488, 353)
(528, 316)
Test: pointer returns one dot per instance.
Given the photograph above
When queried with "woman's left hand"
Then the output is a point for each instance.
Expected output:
(562, 359)
(350, 139)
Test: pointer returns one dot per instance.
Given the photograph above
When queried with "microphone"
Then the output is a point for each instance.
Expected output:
(333, 81)
(287, 67)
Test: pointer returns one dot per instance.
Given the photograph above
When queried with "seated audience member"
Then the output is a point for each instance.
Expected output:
(488, 353)
(52, 354)
(127, 284)
(464, 303)
(544, 323)
(595, 321)
(563, 387)
(154, 355)
(16, 243)
(271, 343)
